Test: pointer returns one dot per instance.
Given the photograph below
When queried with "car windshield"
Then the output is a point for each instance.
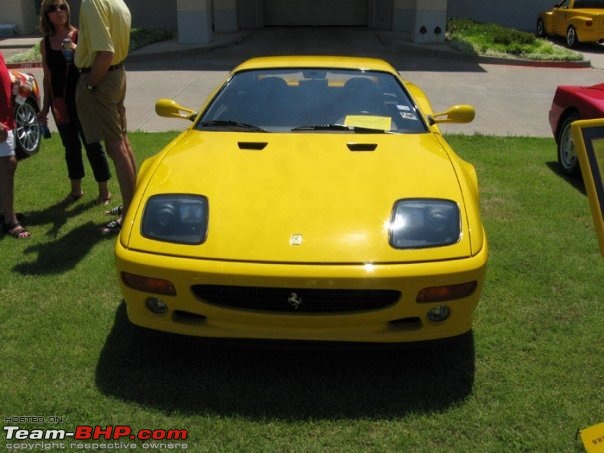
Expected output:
(312, 100)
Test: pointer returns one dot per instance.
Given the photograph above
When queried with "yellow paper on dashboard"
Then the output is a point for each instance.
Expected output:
(369, 121)
(593, 438)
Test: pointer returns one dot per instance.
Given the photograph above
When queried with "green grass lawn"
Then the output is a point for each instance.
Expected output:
(527, 377)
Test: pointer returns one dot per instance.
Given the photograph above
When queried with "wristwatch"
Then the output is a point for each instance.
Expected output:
(91, 88)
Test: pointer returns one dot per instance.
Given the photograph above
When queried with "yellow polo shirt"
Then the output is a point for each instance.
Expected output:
(104, 27)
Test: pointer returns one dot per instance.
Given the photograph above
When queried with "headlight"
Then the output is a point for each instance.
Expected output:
(423, 223)
(176, 218)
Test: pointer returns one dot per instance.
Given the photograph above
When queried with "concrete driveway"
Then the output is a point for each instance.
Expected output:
(509, 100)
(594, 53)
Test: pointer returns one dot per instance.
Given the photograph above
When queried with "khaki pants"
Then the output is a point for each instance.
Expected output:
(102, 112)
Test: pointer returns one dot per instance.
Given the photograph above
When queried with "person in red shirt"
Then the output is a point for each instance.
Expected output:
(8, 161)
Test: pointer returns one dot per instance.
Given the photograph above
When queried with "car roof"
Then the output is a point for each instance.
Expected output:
(316, 61)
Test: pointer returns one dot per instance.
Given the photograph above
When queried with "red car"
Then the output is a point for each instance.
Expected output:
(573, 103)
(28, 133)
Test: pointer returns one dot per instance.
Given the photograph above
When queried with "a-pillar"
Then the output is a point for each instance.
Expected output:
(194, 21)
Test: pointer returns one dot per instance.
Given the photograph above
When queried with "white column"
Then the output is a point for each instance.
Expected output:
(430, 21)
(423, 21)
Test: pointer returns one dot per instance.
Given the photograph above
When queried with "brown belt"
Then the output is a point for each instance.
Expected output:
(111, 68)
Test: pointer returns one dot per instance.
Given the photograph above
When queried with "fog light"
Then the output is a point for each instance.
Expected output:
(439, 313)
(157, 306)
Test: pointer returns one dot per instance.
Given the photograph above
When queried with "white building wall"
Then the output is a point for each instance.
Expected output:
(20, 13)
(194, 21)
(403, 17)
(225, 16)
(198, 16)
(518, 14)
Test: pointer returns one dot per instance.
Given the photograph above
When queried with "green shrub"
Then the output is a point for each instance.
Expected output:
(475, 38)
(513, 37)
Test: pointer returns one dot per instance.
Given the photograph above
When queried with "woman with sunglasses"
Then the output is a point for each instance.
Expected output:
(60, 80)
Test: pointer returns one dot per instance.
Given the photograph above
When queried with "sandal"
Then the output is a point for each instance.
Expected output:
(112, 227)
(16, 230)
(115, 211)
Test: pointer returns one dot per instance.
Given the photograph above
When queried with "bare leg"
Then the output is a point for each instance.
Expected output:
(122, 155)
(76, 188)
(104, 194)
(8, 165)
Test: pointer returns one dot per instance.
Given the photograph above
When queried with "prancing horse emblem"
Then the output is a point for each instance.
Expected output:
(294, 300)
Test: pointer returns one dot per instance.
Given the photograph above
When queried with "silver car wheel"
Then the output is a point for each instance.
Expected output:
(567, 156)
(28, 134)
(571, 37)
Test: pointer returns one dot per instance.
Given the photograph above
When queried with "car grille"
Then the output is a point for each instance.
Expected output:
(295, 300)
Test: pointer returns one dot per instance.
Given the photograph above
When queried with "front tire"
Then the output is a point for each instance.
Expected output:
(541, 29)
(572, 40)
(567, 155)
(28, 133)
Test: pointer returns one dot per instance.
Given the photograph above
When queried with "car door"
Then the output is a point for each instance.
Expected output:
(560, 16)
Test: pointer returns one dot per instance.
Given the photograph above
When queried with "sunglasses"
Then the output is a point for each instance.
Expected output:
(55, 8)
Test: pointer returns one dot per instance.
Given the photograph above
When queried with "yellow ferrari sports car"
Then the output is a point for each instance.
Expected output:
(312, 199)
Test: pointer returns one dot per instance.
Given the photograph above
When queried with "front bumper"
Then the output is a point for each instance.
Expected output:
(403, 321)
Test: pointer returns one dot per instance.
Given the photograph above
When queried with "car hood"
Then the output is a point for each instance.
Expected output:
(591, 94)
(299, 198)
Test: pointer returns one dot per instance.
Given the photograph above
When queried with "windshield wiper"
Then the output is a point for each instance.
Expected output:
(228, 124)
(340, 127)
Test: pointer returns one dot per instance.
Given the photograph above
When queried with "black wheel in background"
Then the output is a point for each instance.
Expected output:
(541, 29)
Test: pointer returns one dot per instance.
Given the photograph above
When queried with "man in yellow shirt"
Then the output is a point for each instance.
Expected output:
(102, 47)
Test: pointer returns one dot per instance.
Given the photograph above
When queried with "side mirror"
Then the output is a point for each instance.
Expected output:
(457, 114)
(172, 109)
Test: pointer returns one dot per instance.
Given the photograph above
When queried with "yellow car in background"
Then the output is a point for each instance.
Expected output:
(313, 198)
(578, 21)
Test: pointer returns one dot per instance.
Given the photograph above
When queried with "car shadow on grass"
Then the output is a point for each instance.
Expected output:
(193, 377)
(574, 181)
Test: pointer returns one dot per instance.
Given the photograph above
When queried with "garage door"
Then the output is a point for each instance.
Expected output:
(316, 12)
